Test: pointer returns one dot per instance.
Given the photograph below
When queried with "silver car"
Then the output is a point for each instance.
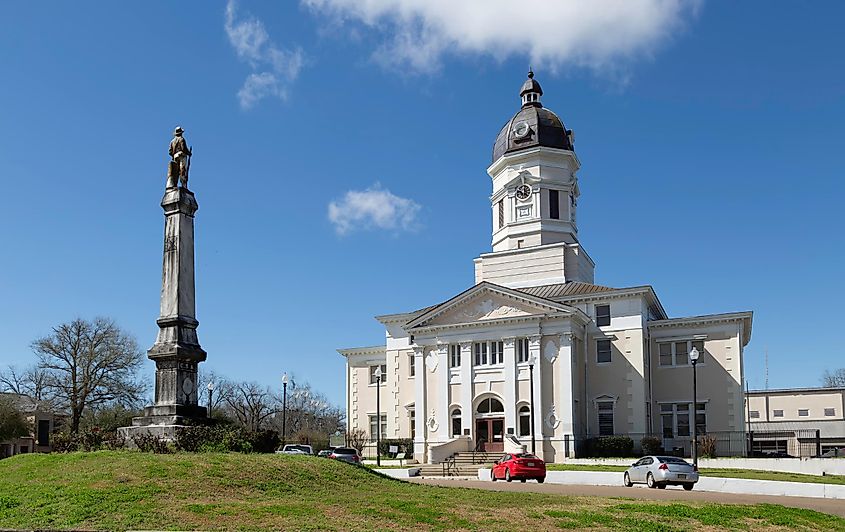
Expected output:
(662, 471)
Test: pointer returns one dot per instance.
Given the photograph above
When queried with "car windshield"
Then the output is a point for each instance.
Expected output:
(344, 450)
(302, 448)
(672, 460)
(525, 455)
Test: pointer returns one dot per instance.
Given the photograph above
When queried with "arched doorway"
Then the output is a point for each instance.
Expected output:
(490, 425)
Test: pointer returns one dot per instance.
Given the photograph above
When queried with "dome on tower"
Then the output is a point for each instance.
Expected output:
(532, 126)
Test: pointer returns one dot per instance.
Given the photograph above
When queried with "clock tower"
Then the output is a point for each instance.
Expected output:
(534, 200)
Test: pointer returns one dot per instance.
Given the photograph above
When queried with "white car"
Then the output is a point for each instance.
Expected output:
(662, 471)
(296, 448)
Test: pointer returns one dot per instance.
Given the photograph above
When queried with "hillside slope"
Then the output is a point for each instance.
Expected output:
(131, 490)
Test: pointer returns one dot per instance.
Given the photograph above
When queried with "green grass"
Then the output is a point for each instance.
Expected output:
(120, 490)
(717, 472)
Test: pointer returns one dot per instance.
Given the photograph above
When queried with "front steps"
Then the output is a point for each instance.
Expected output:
(460, 465)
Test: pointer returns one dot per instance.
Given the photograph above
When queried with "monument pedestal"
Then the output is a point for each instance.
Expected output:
(176, 351)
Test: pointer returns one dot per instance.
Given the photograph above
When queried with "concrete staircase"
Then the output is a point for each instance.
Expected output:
(460, 465)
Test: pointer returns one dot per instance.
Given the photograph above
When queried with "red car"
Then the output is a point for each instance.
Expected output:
(519, 466)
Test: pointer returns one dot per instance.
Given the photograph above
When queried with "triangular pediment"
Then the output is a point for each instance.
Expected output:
(487, 302)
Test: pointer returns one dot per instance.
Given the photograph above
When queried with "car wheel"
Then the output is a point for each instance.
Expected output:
(688, 487)
(522, 480)
(649, 480)
(627, 480)
(541, 480)
(661, 486)
(508, 475)
(493, 475)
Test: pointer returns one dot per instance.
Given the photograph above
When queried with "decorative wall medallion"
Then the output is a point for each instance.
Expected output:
(478, 310)
(431, 361)
(432, 423)
(187, 386)
(551, 418)
(550, 351)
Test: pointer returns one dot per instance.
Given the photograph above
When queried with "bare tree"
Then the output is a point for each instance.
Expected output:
(252, 404)
(89, 363)
(13, 423)
(31, 382)
(223, 389)
(834, 379)
(357, 439)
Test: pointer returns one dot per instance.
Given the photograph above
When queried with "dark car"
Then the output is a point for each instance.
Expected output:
(345, 454)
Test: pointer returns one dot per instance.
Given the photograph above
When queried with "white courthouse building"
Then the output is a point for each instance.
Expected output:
(602, 360)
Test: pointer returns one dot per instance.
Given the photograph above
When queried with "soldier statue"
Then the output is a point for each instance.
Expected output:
(180, 160)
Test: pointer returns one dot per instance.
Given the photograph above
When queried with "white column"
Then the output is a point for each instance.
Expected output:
(565, 410)
(510, 384)
(419, 405)
(445, 427)
(466, 387)
(534, 354)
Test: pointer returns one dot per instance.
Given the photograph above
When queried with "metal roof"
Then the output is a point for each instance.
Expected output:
(573, 288)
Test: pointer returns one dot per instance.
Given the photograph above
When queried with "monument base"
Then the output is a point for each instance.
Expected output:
(163, 422)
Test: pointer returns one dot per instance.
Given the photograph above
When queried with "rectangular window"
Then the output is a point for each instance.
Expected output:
(480, 353)
(501, 213)
(777, 413)
(44, 431)
(412, 368)
(522, 350)
(803, 412)
(374, 427)
(605, 410)
(682, 418)
(829, 412)
(602, 351)
(602, 315)
(677, 353)
(455, 356)
(681, 358)
(554, 204)
(676, 419)
(665, 354)
(383, 373)
(497, 352)
(412, 416)
(754, 414)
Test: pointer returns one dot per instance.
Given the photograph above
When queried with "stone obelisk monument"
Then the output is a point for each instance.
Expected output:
(177, 350)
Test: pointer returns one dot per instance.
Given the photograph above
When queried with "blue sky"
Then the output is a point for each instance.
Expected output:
(710, 136)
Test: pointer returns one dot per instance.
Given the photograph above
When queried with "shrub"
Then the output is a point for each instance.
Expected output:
(707, 446)
(613, 446)
(405, 445)
(210, 438)
(651, 445)
(86, 440)
(150, 443)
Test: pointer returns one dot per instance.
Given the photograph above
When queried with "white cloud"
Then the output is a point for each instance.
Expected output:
(274, 68)
(374, 207)
(551, 33)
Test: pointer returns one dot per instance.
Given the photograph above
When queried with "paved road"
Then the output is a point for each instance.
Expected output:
(828, 506)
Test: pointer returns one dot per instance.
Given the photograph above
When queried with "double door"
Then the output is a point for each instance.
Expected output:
(490, 434)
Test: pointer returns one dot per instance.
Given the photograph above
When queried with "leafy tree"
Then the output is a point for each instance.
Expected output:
(834, 379)
(90, 363)
(13, 424)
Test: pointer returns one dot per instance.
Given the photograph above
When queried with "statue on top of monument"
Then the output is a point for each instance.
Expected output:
(180, 159)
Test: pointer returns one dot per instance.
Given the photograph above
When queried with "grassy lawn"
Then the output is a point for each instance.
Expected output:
(718, 472)
(120, 490)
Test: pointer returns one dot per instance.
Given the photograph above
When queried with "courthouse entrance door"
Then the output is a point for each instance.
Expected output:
(491, 433)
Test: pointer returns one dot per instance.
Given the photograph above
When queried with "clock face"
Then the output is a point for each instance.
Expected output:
(523, 192)
(520, 129)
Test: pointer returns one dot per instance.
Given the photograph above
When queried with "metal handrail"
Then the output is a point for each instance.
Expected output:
(449, 466)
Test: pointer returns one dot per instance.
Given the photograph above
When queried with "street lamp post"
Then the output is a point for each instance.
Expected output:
(531, 374)
(378, 415)
(210, 389)
(693, 356)
(284, 409)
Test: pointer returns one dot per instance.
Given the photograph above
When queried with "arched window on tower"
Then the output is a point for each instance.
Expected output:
(456, 422)
(524, 420)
